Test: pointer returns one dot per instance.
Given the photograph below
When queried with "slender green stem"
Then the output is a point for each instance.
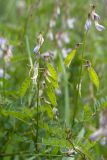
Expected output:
(79, 80)
(37, 104)
(66, 93)
(28, 153)
(4, 74)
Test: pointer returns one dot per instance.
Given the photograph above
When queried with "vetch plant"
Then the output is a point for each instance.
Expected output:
(45, 80)
(92, 16)
(48, 110)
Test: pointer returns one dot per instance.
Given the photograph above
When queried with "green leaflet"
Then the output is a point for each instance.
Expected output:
(47, 108)
(94, 77)
(23, 114)
(52, 71)
(69, 58)
(51, 94)
(53, 78)
(24, 87)
(53, 82)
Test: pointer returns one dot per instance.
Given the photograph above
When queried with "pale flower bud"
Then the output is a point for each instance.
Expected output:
(88, 23)
(36, 49)
(99, 27)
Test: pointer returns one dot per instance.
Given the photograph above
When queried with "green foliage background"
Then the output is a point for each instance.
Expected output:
(17, 119)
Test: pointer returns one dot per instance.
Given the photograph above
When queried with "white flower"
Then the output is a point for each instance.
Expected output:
(88, 24)
(52, 23)
(36, 49)
(57, 11)
(99, 27)
(70, 23)
(50, 35)
(65, 37)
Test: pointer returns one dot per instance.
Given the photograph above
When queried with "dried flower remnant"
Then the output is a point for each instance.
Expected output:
(101, 132)
(87, 64)
(40, 39)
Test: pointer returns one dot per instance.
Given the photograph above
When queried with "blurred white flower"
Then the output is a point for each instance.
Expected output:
(50, 35)
(65, 37)
(6, 50)
(99, 27)
(2, 74)
(62, 37)
(70, 23)
(54, 53)
(65, 52)
(3, 42)
(52, 23)
(57, 11)
(21, 7)
(58, 37)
